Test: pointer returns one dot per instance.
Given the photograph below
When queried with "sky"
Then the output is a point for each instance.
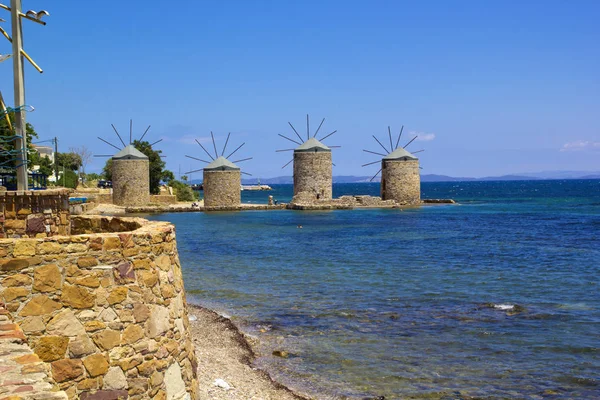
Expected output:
(490, 87)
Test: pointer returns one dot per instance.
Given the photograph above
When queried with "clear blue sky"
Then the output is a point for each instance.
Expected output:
(498, 87)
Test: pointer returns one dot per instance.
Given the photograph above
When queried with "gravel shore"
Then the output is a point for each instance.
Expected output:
(225, 359)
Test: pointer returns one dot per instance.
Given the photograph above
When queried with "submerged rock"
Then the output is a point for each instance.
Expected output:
(281, 353)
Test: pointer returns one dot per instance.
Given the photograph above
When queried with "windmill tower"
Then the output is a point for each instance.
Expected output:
(130, 172)
(312, 164)
(400, 176)
(222, 179)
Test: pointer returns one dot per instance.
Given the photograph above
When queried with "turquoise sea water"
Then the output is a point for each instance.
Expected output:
(414, 303)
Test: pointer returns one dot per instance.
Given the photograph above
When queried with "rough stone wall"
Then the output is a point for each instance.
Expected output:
(312, 174)
(401, 181)
(163, 198)
(40, 213)
(106, 311)
(222, 188)
(131, 182)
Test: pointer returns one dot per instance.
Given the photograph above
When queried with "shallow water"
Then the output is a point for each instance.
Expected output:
(401, 303)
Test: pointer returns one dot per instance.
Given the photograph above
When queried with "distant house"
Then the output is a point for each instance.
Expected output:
(44, 151)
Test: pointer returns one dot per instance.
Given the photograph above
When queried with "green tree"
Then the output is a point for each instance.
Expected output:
(71, 161)
(46, 166)
(183, 191)
(158, 172)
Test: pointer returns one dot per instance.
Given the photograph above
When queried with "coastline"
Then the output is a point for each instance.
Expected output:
(224, 352)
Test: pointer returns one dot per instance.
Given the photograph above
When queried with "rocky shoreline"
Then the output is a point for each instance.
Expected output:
(225, 362)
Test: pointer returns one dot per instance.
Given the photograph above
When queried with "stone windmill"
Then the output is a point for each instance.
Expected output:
(222, 180)
(312, 164)
(130, 171)
(400, 176)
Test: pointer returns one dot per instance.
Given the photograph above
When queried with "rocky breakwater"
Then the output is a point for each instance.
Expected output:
(104, 308)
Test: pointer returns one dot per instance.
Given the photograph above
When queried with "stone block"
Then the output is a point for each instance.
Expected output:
(15, 264)
(77, 297)
(132, 334)
(47, 278)
(65, 370)
(117, 295)
(51, 348)
(86, 262)
(105, 395)
(11, 293)
(96, 365)
(115, 379)
(40, 305)
(36, 224)
(65, 323)
(107, 339)
(124, 273)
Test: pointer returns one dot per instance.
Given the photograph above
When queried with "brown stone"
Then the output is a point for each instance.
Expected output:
(51, 348)
(26, 359)
(111, 243)
(49, 248)
(156, 379)
(89, 383)
(163, 262)
(107, 339)
(15, 264)
(141, 312)
(117, 295)
(95, 365)
(150, 278)
(36, 224)
(15, 224)
(146, 368)
(92, 326)
(85, 262)
(105, 395)
(131, 362)
(132, 334)
(65, 323)
(124, 273)
(12, 293)
(167, 291)
(40, 305)
(32, 324)
(47, 278)
(88, 281)
(69, 369)
(17, 280)
(24, 211)
(81, 346)
(77, 297)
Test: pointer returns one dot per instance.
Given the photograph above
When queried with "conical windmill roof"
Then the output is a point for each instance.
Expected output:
(221, 164)
(313, 145)
(400, 154)
(130, 153)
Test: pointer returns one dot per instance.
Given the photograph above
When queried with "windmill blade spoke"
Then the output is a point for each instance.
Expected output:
(333, 164)
(325, 137)
(199, 159)
(158, 141)
(146, 131)
(334, 147)
(374, 152)
(196, 170)
(277, 151)
(226, 141)
(102, 155)
(214, 144)
(307, 128)
(206, 151)
(299, 137)
(108, 143)
(236, 150)
(399, 136)
(115, 129)
(390, 135)
(243, 159)
(382, 146)
(418, 151)
(130, 131)
(315, 135)
(371, 163)
(287, 163)
(371, 180)
(291, 140)
(412, 140)
(245, 173)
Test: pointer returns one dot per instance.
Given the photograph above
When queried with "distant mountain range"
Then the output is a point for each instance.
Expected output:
(546, 175)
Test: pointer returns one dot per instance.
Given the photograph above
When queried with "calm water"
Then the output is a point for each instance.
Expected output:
(414, 303)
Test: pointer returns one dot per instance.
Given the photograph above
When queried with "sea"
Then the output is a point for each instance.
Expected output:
(495, 297)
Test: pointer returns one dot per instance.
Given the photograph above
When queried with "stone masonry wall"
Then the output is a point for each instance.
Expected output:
(222, 188)
(106, 311)
(37, 213)
(401, 181)
(131, 182)
(312, 174)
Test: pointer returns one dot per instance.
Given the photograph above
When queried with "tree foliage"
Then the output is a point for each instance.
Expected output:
(183, 191)
(71, 161)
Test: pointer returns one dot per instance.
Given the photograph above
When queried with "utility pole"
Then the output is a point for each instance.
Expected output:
(19, 88)
(54, 161)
